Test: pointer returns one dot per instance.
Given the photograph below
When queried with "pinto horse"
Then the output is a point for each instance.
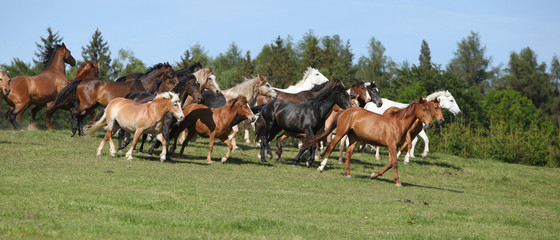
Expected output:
(86, 94)
(86, 70)
(365, 126)
(307, 117)
(137, 118)
(39, 90)
(212, 123)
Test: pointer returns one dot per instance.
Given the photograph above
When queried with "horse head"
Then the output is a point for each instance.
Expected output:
(87, 70)
(5, 80)
(422, 112)
(359, 90)
(341, 96)
(374, 94)
(263, 88)
(313, 77)
(240, 105)
(168, 84)
(447, 101)
(67, 55)
(207, 80)
(435, 111)
(173, 105)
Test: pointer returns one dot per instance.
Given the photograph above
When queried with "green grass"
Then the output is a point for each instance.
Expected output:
(53, 186)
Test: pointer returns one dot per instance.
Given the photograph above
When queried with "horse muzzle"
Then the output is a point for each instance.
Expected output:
(429, 125)
(198, 100)
(6, 91)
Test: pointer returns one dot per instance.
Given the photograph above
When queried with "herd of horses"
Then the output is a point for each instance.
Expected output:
(174, 105)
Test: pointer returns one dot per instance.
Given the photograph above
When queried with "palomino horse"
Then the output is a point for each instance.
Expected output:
(137, 118)
(86, 70)
(213, 123)
(307, 117)
(446, 100)
(207, 80)
(386, 130)
(435, 111)
(86, 94)
(41, 89)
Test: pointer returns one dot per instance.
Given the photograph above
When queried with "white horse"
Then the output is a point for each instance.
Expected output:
(446, 100)
(311, 78)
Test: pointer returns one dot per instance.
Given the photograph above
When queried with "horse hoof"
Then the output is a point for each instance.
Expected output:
(348, 176)
(276, 158)
(308, 163)
(129, 158)
(223, 160)
(406, 162)
(398, 184)
(210, 162)
(319, 170)
(236, 148)
(98, 154)
(340, 161)
(373, 175)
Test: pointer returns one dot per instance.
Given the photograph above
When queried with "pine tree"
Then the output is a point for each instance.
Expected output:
(425, 58)
(195, 53)
(247, 68)
(309, 51)
(470, 64)
(283, 64)
(98, 51)
(375, 66)
(50, 41)
(225, 66)
(555, 74)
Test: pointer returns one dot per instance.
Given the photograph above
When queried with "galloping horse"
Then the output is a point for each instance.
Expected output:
(311, 78)
(86, 70)
(5, 80)
(307, 117)
(365, 126)
(435, 111)
(87, 94)
(212, 123)
(137, 118)
(446, 100)
(41, 89)
(207, 80)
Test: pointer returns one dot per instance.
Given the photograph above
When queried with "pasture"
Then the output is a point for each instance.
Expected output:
(53, 186)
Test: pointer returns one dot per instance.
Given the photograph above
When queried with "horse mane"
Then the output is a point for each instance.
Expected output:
(244, 88)
(326, 94)
(157, 66)
(318, 87)
(168, 95)
(437, 94)
(239, 98)
(407, 111)
(48, 55)
(305, 75)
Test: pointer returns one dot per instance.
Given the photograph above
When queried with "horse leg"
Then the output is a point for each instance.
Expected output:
(210, 148)
(144, 136)
(108, 136)
(189, 134)
(163, 155)
(423, 135)
(80, 119)
(392, 164)
(341, 148)
(246, 125)
(409, 144)
(331, 147)
(230, 147)
(133, 145)
(48, 117)
(353, 141)
(14, 115)
(34, 112)
(377, 156)
(121, 142)
(233, 136)
(279, 141)
(298, 156)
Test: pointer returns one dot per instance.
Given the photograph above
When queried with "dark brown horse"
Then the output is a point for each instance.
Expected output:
(386, 130)
(41, 89)
(213, 123)
(86, 70)
(87, 94)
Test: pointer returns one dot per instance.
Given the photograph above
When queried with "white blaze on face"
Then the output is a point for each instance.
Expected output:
(215, 82)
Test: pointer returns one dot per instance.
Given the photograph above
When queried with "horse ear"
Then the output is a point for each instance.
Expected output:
(436, 100)
(64, 46)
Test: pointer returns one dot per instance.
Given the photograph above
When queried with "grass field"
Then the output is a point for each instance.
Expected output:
(54, 187)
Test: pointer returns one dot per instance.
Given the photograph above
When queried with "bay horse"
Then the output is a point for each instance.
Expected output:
(39, 90)
(368, 127)
(86, 94)
(86, 70)
(212, 123)
(137, 118)
(446, 100)
(307, 117)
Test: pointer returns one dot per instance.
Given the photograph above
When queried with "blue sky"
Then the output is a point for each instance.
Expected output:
(160, 31)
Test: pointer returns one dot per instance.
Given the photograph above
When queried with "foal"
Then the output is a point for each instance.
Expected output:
(137, 118)
(212, 123)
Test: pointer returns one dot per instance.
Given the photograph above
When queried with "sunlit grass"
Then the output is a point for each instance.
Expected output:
(53, 186)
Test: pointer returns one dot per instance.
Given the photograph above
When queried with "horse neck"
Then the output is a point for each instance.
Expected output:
(407, 121)
(56, 64)
(158, 106)
(150, 81)
(323, 105)
(226, 114)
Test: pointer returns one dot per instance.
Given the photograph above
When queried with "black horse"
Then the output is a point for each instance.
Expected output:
(187, 86)
(373, 93)
(306, 117)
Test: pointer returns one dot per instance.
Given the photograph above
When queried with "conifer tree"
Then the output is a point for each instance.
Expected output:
(425, 57)
(98, 51)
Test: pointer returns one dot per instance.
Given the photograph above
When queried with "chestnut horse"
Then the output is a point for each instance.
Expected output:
(417, 127)
(386, 130)
(86, 94)
(212, 123)
(5, 80)
(137, 118)
(86, 70)
(41, 89)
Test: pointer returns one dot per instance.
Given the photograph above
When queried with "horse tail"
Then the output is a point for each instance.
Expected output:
(99, 124)
(64, 97)
(308, 141)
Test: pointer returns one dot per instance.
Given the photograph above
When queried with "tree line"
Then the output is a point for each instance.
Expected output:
(519, 101)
